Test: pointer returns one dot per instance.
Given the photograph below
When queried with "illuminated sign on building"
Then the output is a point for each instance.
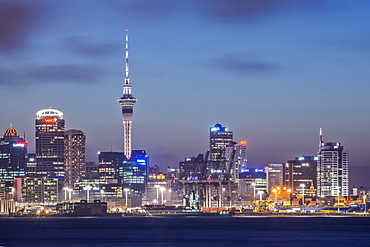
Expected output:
(243, 143)
(19, 144)
(215, 129)
(258, 170)
(49, 120)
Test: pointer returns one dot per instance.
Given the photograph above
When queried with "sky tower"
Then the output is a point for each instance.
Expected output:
(127, 102)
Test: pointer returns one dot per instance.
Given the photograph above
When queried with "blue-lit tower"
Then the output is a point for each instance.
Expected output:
(134, 172)
(127, 102)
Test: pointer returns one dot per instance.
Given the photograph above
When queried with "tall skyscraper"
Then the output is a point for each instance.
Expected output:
(332, 169)
(50, 144)
(220, 138)
(127, 102)
(75, 150)
(13, 158)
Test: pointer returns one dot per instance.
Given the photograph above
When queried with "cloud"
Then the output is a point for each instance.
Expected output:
(239, 64)
(15, 22)
(84, 47)
(242, 9)
(64, 74)
(144, 10)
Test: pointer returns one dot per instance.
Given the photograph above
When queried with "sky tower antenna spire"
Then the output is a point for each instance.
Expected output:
(127, 78)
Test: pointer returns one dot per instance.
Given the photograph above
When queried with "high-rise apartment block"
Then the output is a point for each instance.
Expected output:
(75, 147)
(332, 169)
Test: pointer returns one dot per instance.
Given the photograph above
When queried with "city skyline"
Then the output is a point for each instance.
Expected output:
(272, 73)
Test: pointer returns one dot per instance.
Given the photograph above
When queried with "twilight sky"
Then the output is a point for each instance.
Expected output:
(273, 72)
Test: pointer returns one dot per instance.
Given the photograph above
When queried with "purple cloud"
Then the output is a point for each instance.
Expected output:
(237, 9)
(15, 21)
(64, 74)
(84, 47)
(242, 65)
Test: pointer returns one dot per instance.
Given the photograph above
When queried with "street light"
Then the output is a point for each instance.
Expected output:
(254, 190)
(65, 193)
(101, 195)
(70, 193)
(162, 190)
(338, 191)
(88, 188)
(170, 195)
(126, 191)
(157, 187)
(302, 185)
(260, 193)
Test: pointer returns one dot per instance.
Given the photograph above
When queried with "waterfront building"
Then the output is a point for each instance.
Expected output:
(134, 172)
(50, 144)
(220, 138)
(274, 176)
(332, 169)
(192, 168)
(127, 101)
(36, 190)
(74, 166)
(252, 184)
(109, 164)
(300, 174)
(13, 159)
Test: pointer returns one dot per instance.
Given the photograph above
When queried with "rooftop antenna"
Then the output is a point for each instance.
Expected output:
(126, 87)
(11, 123)
(321, 141)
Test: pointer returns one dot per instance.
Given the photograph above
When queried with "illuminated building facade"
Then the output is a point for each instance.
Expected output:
(301, 171)
(252, 182)
(220, 138)
(274, 176)
(192, 168)
(13, 158)
(36, 190)
(109, 164)
(50, 144)
(135, 171)
(127, 101)
(240, 158)
(332, 169)
(75, 147)
(31, 165)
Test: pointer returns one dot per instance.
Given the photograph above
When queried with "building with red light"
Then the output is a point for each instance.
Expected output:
(13, 159)
(50, 144)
